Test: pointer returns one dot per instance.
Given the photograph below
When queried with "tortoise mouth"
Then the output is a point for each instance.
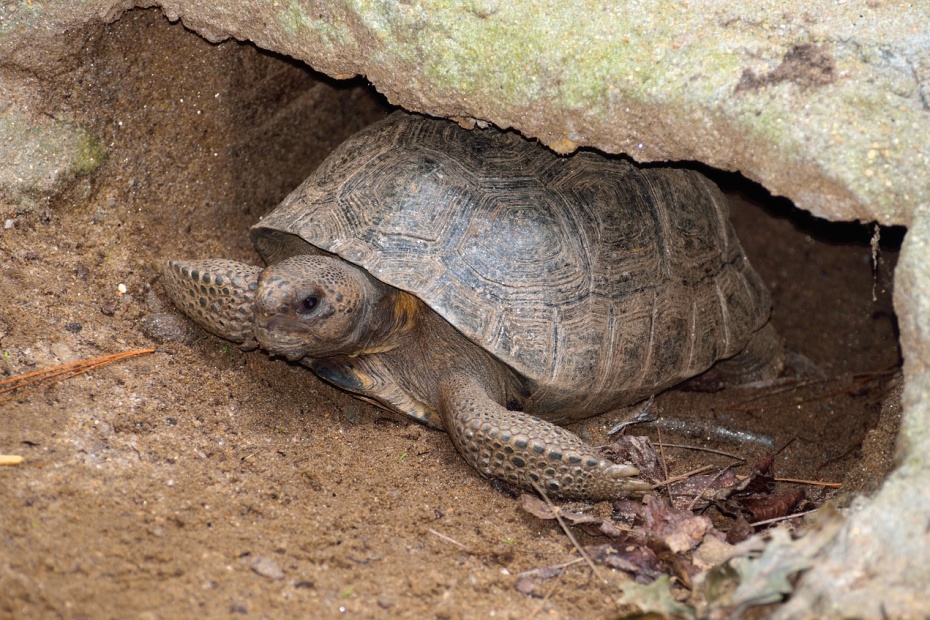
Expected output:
(284, 337)
(291, 354)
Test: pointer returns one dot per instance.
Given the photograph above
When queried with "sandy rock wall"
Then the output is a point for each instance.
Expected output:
(828, 105)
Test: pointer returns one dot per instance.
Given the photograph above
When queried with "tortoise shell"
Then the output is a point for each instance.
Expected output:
(598, 281)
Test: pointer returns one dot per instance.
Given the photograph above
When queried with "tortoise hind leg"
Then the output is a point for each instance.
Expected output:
(763, 359)
(522, 449)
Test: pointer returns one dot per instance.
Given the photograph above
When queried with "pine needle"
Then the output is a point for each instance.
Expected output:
(54, 374)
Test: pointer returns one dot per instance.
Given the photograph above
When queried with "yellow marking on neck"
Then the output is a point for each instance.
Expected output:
(382, 349)
(404, 318)
(406, 307)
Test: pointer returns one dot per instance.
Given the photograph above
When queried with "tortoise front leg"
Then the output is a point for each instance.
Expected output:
(522, 449)
(369, 379)
(217, 294)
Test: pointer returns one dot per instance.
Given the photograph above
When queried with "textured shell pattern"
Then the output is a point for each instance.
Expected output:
(599, 281)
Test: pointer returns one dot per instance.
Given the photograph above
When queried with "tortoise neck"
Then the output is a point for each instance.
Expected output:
(396, 315)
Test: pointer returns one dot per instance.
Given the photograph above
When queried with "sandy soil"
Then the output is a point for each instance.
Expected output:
(201, 481)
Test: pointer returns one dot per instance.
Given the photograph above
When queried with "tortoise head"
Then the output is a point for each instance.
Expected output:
(321, 306)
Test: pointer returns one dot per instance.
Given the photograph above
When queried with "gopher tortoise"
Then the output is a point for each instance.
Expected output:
(478, 283)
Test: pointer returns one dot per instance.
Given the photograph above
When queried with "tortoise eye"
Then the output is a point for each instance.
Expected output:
(308, 304)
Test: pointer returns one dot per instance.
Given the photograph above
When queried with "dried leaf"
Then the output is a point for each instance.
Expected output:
(639, 452)
(629, 556)
(764, 466)
(540, 509)
(628, 511)
(708, 488)
(762, 575)
(688, 534)
(764, 580)
(655, 598)
(772, 506)
(760, 479)
(740, 530)
(680, 530)
(536, 507)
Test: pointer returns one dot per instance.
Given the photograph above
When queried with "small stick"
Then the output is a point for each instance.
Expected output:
(785, 518)
(816, 483)
(568, 532)
(684, 476)
(858, 378)
(533, 571)
(703, 449)
(667, 483)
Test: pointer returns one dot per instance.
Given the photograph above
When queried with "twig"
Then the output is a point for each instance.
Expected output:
(533, 572)
(683, 476)
(568, 532)
(785, 518)
(668, 486)
(703, 449)
(61, 372)
(816, 483)
(546, 597)
(858, 378)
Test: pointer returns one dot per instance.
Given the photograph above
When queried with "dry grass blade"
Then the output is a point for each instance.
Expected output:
(53, 374)
(568, 532)
(448, 539)
(859, 380)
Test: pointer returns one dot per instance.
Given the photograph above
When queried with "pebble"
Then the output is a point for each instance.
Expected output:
(525, 586)
(266, 567)
(163, 327)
